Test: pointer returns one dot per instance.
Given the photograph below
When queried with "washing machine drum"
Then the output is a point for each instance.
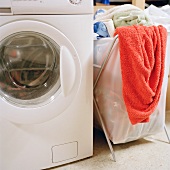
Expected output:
(29, 64)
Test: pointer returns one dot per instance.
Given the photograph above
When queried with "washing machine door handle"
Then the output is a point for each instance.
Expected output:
(67, 70)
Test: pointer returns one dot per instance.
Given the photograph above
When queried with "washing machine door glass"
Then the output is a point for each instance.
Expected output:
(29, 64)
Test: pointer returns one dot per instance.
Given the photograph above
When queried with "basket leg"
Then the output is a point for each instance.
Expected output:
(104, 130)
(166, 132)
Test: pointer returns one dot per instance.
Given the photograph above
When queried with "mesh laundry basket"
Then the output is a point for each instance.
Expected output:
(109, 98)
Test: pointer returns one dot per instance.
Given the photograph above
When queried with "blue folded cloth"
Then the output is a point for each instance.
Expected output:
(107, 2)
(101, 30)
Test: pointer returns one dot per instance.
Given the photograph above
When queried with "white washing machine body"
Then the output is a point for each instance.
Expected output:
(46, 68)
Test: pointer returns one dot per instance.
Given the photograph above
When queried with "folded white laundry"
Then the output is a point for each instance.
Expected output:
(115, 10)
(125, 15)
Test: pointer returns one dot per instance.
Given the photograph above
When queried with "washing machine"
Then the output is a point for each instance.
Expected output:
(46, 67)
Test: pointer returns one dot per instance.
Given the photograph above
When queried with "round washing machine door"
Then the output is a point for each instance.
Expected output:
(40, 72)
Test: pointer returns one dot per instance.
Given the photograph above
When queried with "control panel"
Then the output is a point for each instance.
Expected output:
(46, 7)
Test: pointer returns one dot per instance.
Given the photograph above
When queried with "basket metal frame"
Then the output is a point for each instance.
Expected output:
(97, 107)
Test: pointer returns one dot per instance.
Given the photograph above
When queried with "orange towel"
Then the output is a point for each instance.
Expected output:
(142, 54)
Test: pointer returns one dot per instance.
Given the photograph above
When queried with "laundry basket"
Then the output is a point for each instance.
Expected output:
(109, 98)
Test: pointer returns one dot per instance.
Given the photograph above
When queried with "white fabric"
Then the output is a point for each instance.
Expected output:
(115, 10)
(160, 16)
(108, 95)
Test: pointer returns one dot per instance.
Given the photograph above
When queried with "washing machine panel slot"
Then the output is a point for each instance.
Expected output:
(64, 151)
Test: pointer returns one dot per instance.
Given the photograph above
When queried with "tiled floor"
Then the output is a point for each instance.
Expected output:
(151, 153)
